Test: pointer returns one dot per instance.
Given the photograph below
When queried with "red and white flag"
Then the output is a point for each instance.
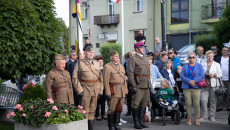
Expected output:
(116, 1)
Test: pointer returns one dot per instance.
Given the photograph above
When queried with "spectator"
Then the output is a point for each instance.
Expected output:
(73, 57)
(175, 61)
(153, 57)
(212, 72)
(200, 58)
(66, 58)
(168, 73)
(161, 52)
(190, 86)
(102, 99)
(166, 93)
(140, 37)
(215, 50)
(87, 43)
(158, 46)
(160, 62)
(225, 67)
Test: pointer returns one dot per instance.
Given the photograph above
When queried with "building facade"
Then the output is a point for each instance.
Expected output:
(104, 19)
(187, 18)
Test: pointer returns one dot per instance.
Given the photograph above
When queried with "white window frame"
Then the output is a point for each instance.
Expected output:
(140, 3)
(85, 10)
(110, 2)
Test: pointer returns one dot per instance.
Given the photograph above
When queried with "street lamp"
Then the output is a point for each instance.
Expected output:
(163, 25)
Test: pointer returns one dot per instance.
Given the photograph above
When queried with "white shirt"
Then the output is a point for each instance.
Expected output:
(139, 54)
(224, 68)
(198, 59)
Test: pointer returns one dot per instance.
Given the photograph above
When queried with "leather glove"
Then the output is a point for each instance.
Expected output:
(81, 94)
(99, 96)
(108, 97)
(133, 86)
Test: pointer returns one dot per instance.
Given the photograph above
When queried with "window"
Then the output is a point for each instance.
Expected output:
(85, 9)
(111, 7)
(139, 5)
(97, 45)
(179, 11)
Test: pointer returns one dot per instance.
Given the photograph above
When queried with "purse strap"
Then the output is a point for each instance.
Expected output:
(191, 72)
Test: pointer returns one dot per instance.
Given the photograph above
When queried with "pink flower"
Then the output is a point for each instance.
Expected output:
(17, 106)
(31, 107)
(62, 116)
(66, 111)
(24, 114)
(83, 111)
(80, 107)
(13, 114)
(20, 109)
(8, 115)
(47, 114)
(50, 100)
(55, 108)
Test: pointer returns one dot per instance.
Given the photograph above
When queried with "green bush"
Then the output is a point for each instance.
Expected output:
(105, 51)
(33, 93)
(206, 41)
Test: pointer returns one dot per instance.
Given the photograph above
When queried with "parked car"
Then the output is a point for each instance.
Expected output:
(182, 54)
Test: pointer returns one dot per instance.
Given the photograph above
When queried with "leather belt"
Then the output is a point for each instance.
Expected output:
(89, 81)
(115, 83)
(142, 75)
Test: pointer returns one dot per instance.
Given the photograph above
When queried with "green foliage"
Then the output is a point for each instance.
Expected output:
(29, 37)
(6, 126)
(105, 51)
(64, 35)
(206, 41)
(35, 113)
(33, 93)
(221, 28)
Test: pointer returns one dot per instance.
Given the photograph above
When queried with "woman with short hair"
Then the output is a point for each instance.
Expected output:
(212, 75)
(191, 74)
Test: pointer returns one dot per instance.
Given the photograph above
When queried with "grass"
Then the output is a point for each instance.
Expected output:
(6, 126)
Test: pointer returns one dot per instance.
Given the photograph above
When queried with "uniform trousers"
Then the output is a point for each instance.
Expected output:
(89, 104)
(113, 102)
(141, 97)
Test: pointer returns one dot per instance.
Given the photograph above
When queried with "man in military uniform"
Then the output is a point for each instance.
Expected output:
(58, 83)
(115, 89)
(139, 79)
(88, 82)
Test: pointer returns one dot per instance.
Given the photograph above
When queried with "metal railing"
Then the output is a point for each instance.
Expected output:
(212, 11)
(106, 19)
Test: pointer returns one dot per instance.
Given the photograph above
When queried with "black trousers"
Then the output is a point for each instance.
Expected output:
(129, 99)
(101, 105)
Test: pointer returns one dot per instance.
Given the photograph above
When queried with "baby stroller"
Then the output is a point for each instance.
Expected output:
(161, 108)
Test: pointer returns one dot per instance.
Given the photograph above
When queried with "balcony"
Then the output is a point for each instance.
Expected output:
(212, 13)
(106, 20)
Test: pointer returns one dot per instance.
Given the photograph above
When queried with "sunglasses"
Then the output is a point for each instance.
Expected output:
(213, 48)
(170, 52)
(192, 57)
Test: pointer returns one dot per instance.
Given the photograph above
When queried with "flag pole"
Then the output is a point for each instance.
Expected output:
(122, 29)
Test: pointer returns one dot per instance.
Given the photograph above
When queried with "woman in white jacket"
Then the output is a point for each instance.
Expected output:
(212, 74)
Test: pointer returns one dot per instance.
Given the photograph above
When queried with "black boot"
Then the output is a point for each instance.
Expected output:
(135, 118)
(111, 121)
(117, 120)
(141, 113)
(90, 124)
(128, 113)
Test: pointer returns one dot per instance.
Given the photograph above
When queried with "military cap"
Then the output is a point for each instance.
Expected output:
(59, 57)
(113, 52)
(89, 48)
(140, 44)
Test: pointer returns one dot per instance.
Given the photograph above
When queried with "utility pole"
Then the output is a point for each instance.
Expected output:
(163, 25)
(88, 17)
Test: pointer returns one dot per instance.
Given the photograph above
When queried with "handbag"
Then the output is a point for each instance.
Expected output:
(221, 89)
(202, 83)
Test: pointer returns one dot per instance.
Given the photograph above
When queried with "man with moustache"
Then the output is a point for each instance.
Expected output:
(115, 89)
(139, 79)
(89, 84)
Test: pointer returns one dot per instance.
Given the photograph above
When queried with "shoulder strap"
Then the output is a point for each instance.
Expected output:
(118, 72)
(91, 70)
(191, 71)
(143, 62)
(63, 77)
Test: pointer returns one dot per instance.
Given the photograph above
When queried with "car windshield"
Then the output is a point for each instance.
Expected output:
(187, 48)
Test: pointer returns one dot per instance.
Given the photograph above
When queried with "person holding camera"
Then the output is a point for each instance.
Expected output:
(213, 74)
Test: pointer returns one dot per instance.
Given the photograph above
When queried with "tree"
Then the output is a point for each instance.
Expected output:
(221, 28)
(64, 35)
(29, 37)
(105, 51)
(206, 41)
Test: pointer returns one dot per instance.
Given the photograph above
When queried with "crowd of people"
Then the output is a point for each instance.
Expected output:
(90, 83)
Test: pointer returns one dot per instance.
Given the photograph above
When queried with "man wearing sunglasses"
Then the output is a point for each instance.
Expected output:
(175, 61)
(215, 50)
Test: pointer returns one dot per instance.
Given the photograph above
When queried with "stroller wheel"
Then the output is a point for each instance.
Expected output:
(177, 118)
(172, 116)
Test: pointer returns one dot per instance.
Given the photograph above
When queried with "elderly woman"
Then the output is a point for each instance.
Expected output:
(168, 73)
(191, 74)
(212, 74)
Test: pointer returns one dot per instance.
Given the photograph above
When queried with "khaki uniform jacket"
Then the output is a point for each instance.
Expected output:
(139, 66)
(89, 89)
(64, 91)
(110, 75)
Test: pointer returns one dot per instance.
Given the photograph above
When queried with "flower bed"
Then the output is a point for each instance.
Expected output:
(45, 112)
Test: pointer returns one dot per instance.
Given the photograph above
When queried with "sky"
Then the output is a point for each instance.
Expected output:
(62, 10)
